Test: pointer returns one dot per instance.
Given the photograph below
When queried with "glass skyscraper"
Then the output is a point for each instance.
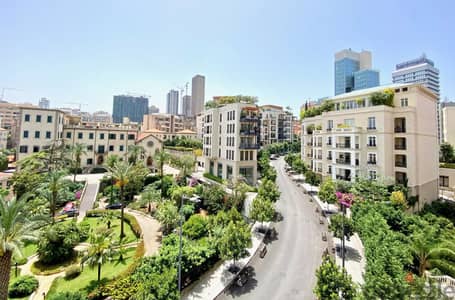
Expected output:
(353, 71)
(129, 106)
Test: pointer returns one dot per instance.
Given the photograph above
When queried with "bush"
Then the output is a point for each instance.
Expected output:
(22, 286)
(213, 177)
(68, 296)
(131, 220)
(195, 227)
(72, 272)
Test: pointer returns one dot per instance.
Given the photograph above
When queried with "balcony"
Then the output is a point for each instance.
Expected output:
(399, 129)
(249, 146)
(400, 164)
(329, 158)
(371, 128)
(343, 146)
(400, 146)
(329, 129)
(343, 161)
(249, 118)
(319, 145)
(345, 178)
(371, 162)
(329, 143)
(248, 132)
(319, 156)
(371, 145)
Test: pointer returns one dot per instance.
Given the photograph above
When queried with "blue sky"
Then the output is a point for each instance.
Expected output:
(281, 51)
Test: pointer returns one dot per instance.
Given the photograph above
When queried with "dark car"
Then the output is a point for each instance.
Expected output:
(114, 206)
(70, 212)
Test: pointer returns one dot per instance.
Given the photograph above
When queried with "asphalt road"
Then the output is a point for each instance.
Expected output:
(288, 269)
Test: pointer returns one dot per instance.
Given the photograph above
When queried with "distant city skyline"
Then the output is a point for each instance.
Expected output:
(52, 54)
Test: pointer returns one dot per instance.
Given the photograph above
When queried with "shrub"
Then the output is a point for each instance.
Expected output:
(195, 227)
(213, 177)
(131, 220)
(72, 272)
(22, 286)
(68, 296)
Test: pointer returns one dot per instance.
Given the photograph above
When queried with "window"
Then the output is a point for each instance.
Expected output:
(25, 134)
(371, 158)
(90, 148)
(121, 147)
(349, 122)
(404, 89)
(48, 134)
(89, 161)
(23, 149)
(101, 136)
(90, 136)
(35, 149)
(100, 148)
(80, 135)
(27, 118)
(329, 125)
(444, 181)
(371, 141)
(130, 136)
(68, 135)
(242, 155)
(371, 123)
(37, 134)
(112, 136)
(38, 118)
(404, 102)
(49, 119)
(111, 148)
(372, 175)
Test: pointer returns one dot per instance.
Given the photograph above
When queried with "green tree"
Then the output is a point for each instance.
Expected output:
(262, 210)
(168, 215)
(161, 158)
(196, 227)
(235, 240)
(77, 150)
(369, 190)
(269, 190)
(135, 152)
(336, 226)
(327, 191)
(186, 165)
(159, 286)
(331, 282)
(53, 188)
(121, 172)
(298, 165)
(312, 178)
(100, 251)
(446, 153)
(150, 195)
(214, 198)
(15, 227)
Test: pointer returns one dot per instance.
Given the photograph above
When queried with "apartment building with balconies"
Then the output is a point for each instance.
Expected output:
(231, 139)
(363, 137)
(275, 125)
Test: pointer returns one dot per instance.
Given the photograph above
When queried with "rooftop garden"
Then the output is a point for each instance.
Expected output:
(220, 101)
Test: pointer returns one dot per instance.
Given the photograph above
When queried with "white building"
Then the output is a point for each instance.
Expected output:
(230, 143)
(276, 125)
(3, 138)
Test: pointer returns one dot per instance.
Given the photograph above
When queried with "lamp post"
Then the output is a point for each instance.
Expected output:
(180, 247)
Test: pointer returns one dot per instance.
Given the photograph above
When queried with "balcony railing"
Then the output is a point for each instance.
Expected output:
(400, 146)
(343, 146)
(319, 156)
(329, 129)
(319, 144)
(340, 177)
(371, 162)
(371, 128)
(371, 145)
(400, 164)
(343, 161)
(247, 118)
(248, 132)
(249, 146)
(400, 129)
(329, 143)
(329, 158)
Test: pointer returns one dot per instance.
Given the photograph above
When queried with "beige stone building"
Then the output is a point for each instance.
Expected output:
(360, 139)
(275, 125)
(230, 143)
(168, 123)
(3, 138)
(448, 122)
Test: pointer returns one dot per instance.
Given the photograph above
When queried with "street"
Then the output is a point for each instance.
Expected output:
(288, 269)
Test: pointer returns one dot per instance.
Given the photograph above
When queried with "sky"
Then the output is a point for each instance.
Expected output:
(280, 51)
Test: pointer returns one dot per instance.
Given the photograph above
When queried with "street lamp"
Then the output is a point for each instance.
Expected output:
(180, 246)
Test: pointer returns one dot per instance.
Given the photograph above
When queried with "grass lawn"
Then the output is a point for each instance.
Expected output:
(87, 280)
(29, 249)
(115, 226)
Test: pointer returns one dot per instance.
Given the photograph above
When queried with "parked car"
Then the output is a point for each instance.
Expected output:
(69, 212)
(114, 206)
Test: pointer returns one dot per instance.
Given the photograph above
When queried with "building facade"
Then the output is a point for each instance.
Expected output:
(153, 109)
(3, 139)
(101, 117)
(353, 71)
(448, 122)
(37, 129)
(359, 139)
(275, 125)
(197, 94)
(172, 102)
(168, 123)
(230, 141)
(131, 107)
(186, 106)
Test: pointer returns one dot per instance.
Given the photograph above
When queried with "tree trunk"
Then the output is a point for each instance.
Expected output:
(5, 263)
(99, 272)
(162, 183)
(122, 233)
(54, 200)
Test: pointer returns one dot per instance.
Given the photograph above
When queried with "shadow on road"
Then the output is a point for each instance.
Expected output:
(351, 253)
(278, 217)
(237, 291)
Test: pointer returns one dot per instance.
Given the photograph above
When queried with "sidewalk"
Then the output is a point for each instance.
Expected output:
(215, 281)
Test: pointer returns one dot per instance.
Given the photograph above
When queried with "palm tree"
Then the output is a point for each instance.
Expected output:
(15, 228)
(150, 194)
(162, 157)
(36, 162)
(110, 162)
(77, 150)
(135, 152)
(101, 250)
(121, 173)
(431, 254)
(52, 188)
(186, 165)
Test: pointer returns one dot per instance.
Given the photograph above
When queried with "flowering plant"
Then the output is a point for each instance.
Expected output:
(345, 199)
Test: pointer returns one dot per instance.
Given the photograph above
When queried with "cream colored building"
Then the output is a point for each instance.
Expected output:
(230, 143)
(448, 122)
(199, 126)
(359, 139)
(167, 123)
(275, 125)
(3, 138)
(37, 129)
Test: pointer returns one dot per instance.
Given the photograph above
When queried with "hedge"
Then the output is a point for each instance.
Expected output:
(22, 286)
(213, 177)
(179, 148)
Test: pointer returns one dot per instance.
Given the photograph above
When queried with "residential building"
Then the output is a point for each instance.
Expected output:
(359, 139)
(186, 106)
(168, 123)
(3, 138)
(353, 71)
(44, 103)
(101, 140)
(275, 125)
(153, 109)
(200, 126)
(101, 117)
(37, 129)
(448, 122)
(420, 70)
(132, 107)
(231, 141)
(172, 102)
(197, 94)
